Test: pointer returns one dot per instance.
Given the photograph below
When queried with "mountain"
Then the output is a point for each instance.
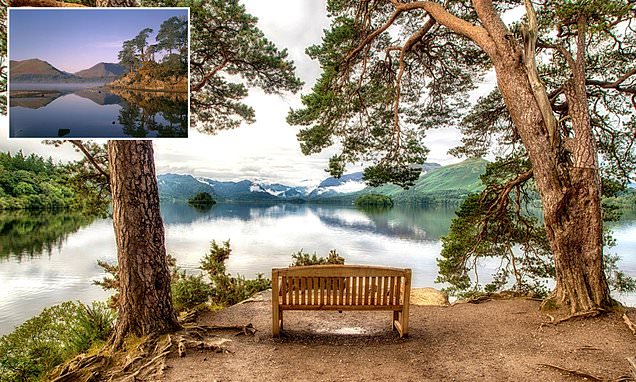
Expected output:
(102, 70)
(36, 70)
(181, 187)
(437, 184)
(330, 187)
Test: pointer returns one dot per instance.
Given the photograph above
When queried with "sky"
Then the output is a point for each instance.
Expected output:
(77, 39)
(266, 150)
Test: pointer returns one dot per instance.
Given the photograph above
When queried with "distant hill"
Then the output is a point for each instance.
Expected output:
(102, 70)
(175, 187)
(447, 184)
(37, 71)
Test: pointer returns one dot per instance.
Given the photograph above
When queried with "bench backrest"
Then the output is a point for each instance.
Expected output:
(351, 286)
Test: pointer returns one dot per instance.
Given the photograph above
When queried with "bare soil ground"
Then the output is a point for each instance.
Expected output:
(499, 340)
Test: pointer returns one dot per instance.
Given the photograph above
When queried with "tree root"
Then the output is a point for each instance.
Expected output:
(574, 316)
(146, 359)
(629, 323)
(574, 373)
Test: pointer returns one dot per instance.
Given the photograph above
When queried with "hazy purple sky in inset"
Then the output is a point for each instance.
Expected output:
(73, 40)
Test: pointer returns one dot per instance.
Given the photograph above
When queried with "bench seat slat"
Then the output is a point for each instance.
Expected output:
(341, 307)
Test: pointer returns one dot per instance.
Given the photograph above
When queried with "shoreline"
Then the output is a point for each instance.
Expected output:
(147, 89)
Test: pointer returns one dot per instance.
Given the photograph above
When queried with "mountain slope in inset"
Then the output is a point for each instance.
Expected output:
(36, 70)
(102, 70)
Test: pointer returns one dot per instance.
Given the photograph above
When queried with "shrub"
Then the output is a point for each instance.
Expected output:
(226, 289)
(300, 258)
(189, 291)
(57, 334)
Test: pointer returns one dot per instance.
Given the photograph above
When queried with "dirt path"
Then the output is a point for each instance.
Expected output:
(500, 340)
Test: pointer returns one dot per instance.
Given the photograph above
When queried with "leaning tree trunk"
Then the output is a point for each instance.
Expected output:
(145, 301)
(567, 178)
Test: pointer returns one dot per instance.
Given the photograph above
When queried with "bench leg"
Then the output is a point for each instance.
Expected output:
(277, 322)
(396, 317)
(401, 322)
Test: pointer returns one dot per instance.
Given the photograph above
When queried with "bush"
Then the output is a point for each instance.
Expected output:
(189, 291)
(300, 258)
(226, 289)
(52, 337)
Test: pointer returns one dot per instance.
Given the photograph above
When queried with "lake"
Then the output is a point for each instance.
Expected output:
(92, 111)
(49, 258)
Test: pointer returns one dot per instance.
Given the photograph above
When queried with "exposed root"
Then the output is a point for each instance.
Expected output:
(574, 316)
(632, 366)
(574, 373)
(629, 323)
(146, 358)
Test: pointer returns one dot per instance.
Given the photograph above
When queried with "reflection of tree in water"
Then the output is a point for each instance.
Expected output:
(32, 234)
(140, 111)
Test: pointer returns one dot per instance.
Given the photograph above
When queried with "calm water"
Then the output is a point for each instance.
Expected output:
(81, 111)
(47, 259)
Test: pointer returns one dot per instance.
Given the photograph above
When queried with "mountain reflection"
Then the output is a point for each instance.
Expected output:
(413, 224)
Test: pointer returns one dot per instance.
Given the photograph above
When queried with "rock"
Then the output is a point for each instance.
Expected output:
(428, 296)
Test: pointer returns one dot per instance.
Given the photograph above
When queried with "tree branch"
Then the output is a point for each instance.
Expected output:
(80, 146)
(530, 33)
(475, 33)
(207, 77)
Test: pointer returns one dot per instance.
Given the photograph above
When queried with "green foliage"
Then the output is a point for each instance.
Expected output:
(228, 54)
(52, 337)
(497, 223)
(173, 35)
(376, 200)
(618, 280)
(189, 291)
(138, 53)
(301, 258)
(35, 183)
(501, 223)
(226, 289)
(202, 200)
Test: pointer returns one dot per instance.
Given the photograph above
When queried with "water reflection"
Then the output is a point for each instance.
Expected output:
(97, 113)
(156, 114)
(28, 234)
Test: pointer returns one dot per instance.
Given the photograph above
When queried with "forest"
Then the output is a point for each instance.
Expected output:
(35, 183)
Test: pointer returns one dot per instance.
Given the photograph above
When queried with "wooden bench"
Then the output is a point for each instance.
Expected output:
(341, 287)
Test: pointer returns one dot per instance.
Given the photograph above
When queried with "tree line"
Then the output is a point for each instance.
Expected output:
(171, 43)
(36, 183)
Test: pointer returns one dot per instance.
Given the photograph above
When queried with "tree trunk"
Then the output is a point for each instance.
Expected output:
(567, 178)
(145, 301)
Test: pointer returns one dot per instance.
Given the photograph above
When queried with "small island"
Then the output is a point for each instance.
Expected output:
(374, 200)
(202, 200)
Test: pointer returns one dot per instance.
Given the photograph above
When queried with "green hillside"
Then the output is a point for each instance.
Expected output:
(448, 184)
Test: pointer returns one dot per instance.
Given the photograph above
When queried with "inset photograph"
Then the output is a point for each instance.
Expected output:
(98, 73)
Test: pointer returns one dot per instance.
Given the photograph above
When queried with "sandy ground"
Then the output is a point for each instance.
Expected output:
(500, 340)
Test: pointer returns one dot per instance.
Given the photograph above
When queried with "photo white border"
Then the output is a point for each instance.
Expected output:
(84, 9)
